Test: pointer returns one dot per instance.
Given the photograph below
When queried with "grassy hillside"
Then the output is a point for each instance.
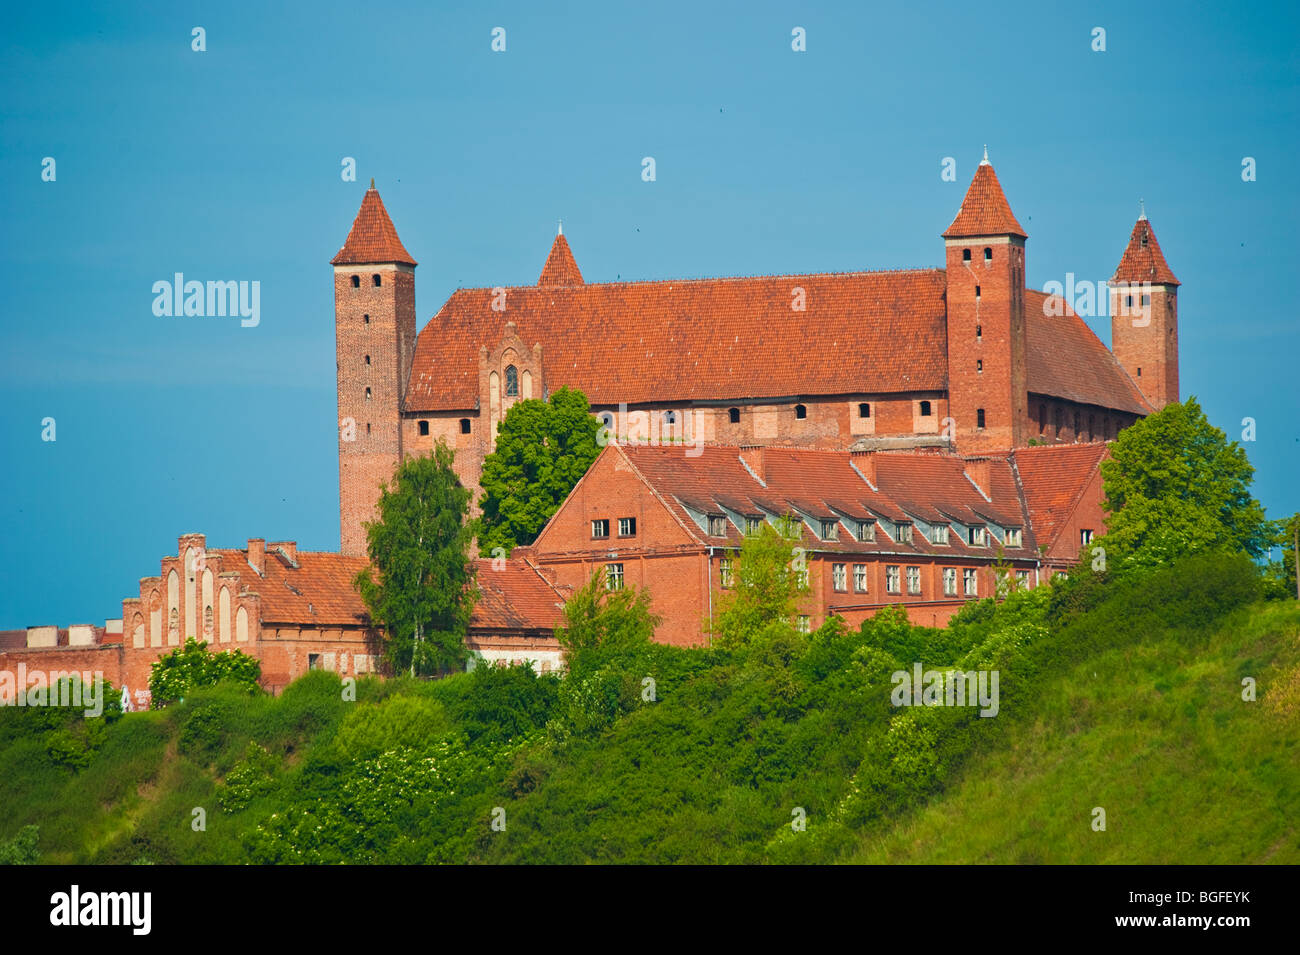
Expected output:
(1119, 694)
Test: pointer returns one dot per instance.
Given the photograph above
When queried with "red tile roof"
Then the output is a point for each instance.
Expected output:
(372, 238)
(319, 592)
(1053, 479)
(985, 210)
(1064, 359)
(680, 340)
(1142, 260)
(821, 484)
(560, 268)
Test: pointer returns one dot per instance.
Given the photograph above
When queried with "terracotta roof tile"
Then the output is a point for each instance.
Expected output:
(372, 238)
(1064, 359)
(1053, 478)
(985, 210)
(1142, 260)
(560, 268)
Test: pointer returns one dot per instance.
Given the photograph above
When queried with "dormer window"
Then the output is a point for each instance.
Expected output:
(939, 533)
(979, 537)
(866, 531)
(905, 533)
(830, 530)
(717, 525)
(1015, 537)
(752, 524)
(512, 381)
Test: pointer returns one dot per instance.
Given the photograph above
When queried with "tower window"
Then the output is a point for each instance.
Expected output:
(367, 359)
(464, 426)
(979, 332)
(512, 381)
(864, 410)
(965, 255)
(1042, 417)
(356, 281)
(988, 255)
(977, 291)
(365, 319)
(367, 427)
(979, 366)
(367, 394)
(733, 415)
(1139, 372)
(925, 409)
(979, 418)
(1146, 299)
(424, 428)
(800, 411)
(375, 277)
(1128, 301)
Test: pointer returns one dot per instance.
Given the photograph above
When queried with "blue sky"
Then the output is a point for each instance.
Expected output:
(225, 164)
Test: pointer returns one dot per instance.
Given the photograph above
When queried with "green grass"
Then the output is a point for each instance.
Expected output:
(1156, 734)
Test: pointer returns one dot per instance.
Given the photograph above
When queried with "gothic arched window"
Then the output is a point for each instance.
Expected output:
(512, 381)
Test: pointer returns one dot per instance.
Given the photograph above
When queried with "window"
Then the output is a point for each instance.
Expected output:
(670, 417)
(356, 282)
(840, 577)
(1022, 579)
(1139, 372)
(830, 530)
(365, 319)
(988, 255)
(970, 582)
(512, 381)
(940, 533)
(367, 394)
(949, 582)
(1085, 537)
(627, 527)
(465, 426)
(313, 661)
(864, 410)
(801, 577)
(1042, 417)
(891, 579)
(805, 623)
(367, 427)
(978, 537)
(979, 418)
(725, 575)
(925, 409)
(733, 415)
(905, 533)
(860, 578)
(613, 576)
(800, 412)
(1076, 424)
(717, 525)
(375, 277)
(867, 531)
(752, 524)
(979, 366)
(977, 291)
(965, 255)
(600, 528)
(1015, 537)
(979, 333)
(1092, 426)
(1128, 301)
(914, 580)
(424, 429)
(367, 359)
(1146, 299)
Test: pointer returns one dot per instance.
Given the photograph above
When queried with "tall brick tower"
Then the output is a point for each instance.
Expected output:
(987, 383)
(374, 332)
(1144, 317)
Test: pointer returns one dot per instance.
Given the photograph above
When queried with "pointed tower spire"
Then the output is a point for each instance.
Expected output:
(985, 210)
(560, 268)
(372, 238)
(1142, 260)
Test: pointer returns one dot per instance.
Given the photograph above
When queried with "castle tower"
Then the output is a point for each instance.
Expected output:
(374, 333)
(1144, 317)
(987, 383)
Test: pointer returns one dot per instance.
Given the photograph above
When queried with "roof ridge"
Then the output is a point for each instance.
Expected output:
(709, 278)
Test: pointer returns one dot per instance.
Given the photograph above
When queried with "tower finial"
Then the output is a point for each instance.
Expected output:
(560, 228)
(1142, 210)
(985, 160)
(372, 182)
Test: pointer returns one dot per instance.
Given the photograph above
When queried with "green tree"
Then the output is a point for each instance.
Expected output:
(1175, 485)
(192, 665)
(420, 583)
(596, 618)
(542, 449)
(769, 580)
(22, 849)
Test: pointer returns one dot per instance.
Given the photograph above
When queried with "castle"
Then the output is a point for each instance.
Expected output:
(920, 424)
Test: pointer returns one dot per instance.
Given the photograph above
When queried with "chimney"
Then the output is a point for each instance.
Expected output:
(257, 555)
(751, 456)
(978, 471)
(864, 462)
(288, 550)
